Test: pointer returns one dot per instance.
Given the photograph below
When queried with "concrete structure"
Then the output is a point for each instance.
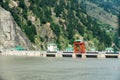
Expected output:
(100, 55)
(52, 47)
(83, 56)
(119, 56)
(44, 55)
(58, 55)
(22, 53)
(74, 55)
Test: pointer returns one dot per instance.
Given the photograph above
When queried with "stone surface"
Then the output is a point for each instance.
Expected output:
(10, 34)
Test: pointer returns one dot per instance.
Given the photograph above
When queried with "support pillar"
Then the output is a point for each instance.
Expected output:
(83, 56)
(58, 55)
(73, 55)
(44, 55)
(101, 56)
(119, 56)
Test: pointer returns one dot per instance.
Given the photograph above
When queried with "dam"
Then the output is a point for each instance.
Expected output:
(61, 54)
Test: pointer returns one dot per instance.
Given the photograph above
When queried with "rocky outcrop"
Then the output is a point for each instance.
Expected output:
(10, 34)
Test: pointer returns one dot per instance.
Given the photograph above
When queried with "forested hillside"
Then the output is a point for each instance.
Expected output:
(58, 21)
(111, 6)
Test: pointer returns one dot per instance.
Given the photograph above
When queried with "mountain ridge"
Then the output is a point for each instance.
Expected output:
(65, 21)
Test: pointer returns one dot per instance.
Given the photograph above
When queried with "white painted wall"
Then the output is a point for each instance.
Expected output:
(52, 48)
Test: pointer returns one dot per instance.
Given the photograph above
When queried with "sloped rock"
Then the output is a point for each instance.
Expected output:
(10, 34)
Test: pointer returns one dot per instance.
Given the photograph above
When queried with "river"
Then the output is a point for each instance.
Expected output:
(36, 68)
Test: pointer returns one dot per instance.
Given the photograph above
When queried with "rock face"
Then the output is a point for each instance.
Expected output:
(10, 34)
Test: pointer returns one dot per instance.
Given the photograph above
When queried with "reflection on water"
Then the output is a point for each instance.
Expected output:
(30, 68)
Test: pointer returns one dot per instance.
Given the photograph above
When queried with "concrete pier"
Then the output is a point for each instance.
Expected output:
(58, 55)
(101, 55)
(83, 56)
(44, 55)
(119, 56)
(73, 55)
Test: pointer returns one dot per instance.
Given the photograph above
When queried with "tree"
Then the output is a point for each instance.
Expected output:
(58, 10)
(55, 28)
(101, 46)
(22, 4)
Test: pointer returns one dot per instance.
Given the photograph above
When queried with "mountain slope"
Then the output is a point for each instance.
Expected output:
(108, 11)
(111, 6)
(10, 34)
(58, 21)
(99, 13)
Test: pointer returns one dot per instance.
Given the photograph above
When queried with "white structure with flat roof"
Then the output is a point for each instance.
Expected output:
(52, 47)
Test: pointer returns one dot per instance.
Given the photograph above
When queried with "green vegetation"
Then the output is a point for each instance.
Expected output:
(72, 19)
(109, 6)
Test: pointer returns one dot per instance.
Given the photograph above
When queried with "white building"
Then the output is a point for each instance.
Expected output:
(52, 47)
(109, 49)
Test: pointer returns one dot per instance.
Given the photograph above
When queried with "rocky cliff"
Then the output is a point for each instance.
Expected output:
(10, 34)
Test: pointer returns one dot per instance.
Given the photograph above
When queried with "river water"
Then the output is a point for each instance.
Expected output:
(36, 68)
